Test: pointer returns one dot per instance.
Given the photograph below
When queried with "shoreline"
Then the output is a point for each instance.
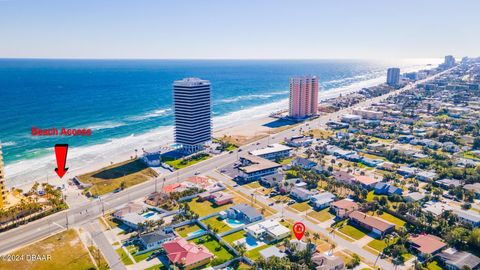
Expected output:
(241, 123)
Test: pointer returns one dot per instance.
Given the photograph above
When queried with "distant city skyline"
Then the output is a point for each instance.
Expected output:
(216, 29)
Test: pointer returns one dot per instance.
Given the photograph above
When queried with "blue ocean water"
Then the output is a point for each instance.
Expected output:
(120, 98)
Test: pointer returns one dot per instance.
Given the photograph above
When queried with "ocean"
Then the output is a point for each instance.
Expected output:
(128, 103)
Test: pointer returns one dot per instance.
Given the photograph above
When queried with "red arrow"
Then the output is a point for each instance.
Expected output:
(61, 155)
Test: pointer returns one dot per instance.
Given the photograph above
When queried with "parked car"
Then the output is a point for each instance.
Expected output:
(291, 202)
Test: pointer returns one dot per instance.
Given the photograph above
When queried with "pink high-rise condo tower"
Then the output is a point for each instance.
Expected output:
(303, 96)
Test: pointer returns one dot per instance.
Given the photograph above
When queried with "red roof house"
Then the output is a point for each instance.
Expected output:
(188, 255)
(426, 244)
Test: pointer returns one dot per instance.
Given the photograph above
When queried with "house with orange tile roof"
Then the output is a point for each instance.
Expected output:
(187, 255)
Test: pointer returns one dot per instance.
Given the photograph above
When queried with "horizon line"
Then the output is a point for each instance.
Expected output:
(247, 59)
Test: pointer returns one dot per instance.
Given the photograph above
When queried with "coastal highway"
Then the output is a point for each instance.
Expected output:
(84, 213)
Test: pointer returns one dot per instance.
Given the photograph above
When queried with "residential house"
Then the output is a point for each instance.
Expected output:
(475, 188)
(343, 176)
(383, 188)
(414, 197)
(187, 255)
(448, 183)
(272, 251)
(426, 176)
(468, 216)
(269, 230)
(325, 262)
(426, 244)
(371, 162)
(301, 194)
(243, 212)
(303, 163)
(299, 141)
(387, 166)
(407, 171)
(377, 226)
(367, 182)
(298, 245)
(221, 198)
(343, 207)
(157, 199)
(322, 200)
(453, 259)
(272, 180)
(154, 240)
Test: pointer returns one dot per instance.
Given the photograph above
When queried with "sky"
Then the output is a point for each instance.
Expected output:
(239, 29)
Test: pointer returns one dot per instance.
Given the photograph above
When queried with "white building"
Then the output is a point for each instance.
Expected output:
(273, 151)
(269, 228)
(193, 113)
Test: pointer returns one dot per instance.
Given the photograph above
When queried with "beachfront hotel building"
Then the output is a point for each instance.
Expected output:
(193, 113)
(449, 61)
(3, 190)
(303, 96)
(393, 76)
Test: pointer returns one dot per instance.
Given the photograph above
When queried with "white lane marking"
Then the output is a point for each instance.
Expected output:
(58, 225)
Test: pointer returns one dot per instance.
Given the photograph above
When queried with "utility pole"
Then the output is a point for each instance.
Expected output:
(66, 219)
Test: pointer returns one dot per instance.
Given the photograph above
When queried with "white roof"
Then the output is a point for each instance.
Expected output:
(272, 148)
(191, 82)
(279, 229)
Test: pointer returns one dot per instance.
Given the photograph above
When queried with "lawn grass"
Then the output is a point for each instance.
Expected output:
(203, 208)
(179, 164)
(157, 267)
(98, 257)
(124, 256)
(254, 254)
(377, 244)
(352, 232)
(322, 215)
(433, 265)
(214, 246)
(286, 161)
(59, 247)
(388, 217)
(370, 196)
(108, 179)
(301, 207)
(217, 224)
(234, 236)
(185, 230)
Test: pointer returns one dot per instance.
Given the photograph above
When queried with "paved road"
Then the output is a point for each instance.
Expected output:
(113, 260)
(86, 212)
(295, 216)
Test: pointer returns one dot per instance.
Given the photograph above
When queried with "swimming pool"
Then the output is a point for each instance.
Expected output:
(196, 233)
(232, 221)
(250, 242)
(149, 214)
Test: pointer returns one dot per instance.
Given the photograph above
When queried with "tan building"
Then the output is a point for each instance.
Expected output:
(3, 189)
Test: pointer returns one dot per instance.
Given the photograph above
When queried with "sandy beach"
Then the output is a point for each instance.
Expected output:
(240, 127)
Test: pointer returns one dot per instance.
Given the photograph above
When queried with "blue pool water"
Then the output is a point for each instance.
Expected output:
(195, 233)
(149, 214)
(251, 241)
(232, 221)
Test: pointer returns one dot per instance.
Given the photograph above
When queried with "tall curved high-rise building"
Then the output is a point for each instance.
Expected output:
(193, 113)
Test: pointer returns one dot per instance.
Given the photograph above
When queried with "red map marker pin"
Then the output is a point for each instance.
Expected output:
(298, 230)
